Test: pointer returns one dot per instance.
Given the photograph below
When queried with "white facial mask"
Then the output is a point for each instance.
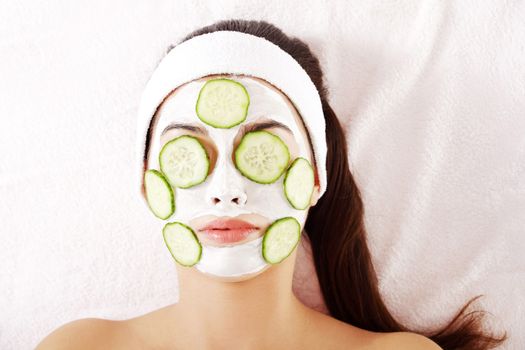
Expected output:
(225, 181)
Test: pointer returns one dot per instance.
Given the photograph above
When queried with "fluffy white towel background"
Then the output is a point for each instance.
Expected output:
(432, 95)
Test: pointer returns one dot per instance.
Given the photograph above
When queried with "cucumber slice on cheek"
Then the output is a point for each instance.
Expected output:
(159, 194)
(280, 239)
(299, 183)
(222, 103)
(262, 157)
(182, 243)
(184, 161)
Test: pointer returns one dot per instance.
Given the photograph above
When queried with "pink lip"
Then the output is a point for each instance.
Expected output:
(228, 230)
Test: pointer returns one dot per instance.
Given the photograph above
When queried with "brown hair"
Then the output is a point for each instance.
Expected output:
(337, 233)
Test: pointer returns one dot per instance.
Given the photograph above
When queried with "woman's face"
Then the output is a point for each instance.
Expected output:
(226, 193)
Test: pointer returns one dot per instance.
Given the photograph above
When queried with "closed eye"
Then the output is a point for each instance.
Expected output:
(244, 129)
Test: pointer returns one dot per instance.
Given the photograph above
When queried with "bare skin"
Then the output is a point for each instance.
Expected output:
(219, 315)
(225, 315)
(237, 316)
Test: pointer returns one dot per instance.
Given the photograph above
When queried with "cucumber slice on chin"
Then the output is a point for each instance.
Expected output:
(184, 161)
(222, 103)
(299, 183)
(280, 239)
(262, 156)
(159, 194)
(182, 243)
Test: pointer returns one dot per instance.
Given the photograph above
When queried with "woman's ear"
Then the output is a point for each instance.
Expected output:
(315, 196)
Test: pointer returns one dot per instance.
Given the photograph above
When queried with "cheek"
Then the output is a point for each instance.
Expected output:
(270, 202)
(267, 193)
(261, 198)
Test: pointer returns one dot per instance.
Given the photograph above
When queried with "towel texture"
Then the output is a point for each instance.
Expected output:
(432, 98)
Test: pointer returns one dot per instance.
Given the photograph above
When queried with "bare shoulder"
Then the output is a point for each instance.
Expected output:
(406, 340)
(327, 332)
(86, 333)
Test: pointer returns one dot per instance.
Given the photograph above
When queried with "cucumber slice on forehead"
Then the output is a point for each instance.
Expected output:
(299, 183)
(222, 103)
(262, 156)
(280, 239)
(159, 194)
(184, 161)
(182, 243)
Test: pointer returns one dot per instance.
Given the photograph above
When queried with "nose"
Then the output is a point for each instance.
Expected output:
(226, 186)
(233, 197)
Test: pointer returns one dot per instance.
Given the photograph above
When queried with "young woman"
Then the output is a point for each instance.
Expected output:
(249, 304)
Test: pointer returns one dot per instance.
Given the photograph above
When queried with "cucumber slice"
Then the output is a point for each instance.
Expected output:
(299, 183)
(222, 103)
(280, 239)
(184, 161)
(159, 194)
(182, 243)
(262, 156)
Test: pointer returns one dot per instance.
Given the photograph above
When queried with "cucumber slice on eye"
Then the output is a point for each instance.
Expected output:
(159, 194)
(262, 156)
(184, 161)
(299, 183)
(280, 239)
(182, 243)
(222, 103)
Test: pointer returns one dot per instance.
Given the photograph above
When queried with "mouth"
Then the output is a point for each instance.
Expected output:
(228, 230)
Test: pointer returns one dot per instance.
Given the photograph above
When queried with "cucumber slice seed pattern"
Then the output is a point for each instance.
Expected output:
(280, 239)
(299, 183)
(159, 194)
(182, 243)
(222, 103)
(184, 161)
(262, 156)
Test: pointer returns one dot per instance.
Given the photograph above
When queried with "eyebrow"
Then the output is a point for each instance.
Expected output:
(185, 126)
(267, 124)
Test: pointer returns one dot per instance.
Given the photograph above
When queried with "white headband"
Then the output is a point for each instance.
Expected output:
(232, 52)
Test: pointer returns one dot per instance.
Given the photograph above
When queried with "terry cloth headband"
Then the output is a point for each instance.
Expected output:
(232, 52)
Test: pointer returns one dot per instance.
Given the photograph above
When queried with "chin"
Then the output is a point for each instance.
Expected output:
(235, 278)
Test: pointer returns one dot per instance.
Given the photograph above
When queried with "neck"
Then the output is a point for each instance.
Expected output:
(260, 312)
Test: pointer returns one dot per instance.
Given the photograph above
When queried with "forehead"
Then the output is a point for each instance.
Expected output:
(266, 101)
